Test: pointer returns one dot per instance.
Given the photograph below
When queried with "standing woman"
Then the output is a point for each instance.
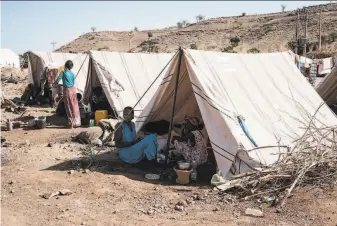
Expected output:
(69, 95)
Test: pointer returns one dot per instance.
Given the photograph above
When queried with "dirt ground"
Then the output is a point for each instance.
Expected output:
(114, 194)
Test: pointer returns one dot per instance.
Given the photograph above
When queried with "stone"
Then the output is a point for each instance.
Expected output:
(65, 192)
(179, 208)
(86, 171)
(11, 191)
(71, 171)
(150, 212)
(50, 145)
(216, 209)
(254, 212)
(182, 203)
(11, 182)
(49, 195)
(83, 223)
(189, 202)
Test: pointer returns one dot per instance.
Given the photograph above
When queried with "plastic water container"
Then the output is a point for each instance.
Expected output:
(100, 114)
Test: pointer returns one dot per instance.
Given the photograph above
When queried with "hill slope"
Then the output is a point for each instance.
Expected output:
(265, 32)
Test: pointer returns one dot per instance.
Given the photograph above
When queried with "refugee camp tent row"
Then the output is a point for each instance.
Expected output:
(252, 105)
(124, 77)
(328, 88)
(8, 58)
(38, 61)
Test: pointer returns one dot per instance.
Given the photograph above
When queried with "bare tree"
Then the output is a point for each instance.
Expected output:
(93, 29)
(179, 25)
(135, 29)
(199, 18)
(283, 7)
(185, 23)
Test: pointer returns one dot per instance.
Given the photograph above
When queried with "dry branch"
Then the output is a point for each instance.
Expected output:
(312, 162)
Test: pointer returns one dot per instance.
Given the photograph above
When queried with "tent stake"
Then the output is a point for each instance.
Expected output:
(174, 103)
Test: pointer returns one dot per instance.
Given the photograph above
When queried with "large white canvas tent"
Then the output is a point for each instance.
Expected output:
(252, 105)
(37, 61)
(328, 88)
(124, 77)
(8, 58)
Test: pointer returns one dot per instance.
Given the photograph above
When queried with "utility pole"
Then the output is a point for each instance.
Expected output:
(131, 34)
(305, 34)
(296, 33)
(320, 31)
(53, 43)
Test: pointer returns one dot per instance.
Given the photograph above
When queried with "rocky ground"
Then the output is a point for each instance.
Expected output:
(36, 163)
(265, 32)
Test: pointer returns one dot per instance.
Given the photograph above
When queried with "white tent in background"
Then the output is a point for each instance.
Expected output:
(124, 77)
(327, 89)
(264, 94)
(8, 58)
(37, 61)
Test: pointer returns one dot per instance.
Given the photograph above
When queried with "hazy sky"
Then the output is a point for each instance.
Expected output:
(32, 25)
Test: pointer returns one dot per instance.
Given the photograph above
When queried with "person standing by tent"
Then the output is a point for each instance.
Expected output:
(69, 94)
(191, 143)
(132, 150)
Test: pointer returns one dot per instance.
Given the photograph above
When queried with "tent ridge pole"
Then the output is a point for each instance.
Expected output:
(174, 101)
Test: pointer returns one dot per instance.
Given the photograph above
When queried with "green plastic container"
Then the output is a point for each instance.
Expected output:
(91, 123)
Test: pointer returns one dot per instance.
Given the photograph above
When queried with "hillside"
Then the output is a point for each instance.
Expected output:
(265, 32)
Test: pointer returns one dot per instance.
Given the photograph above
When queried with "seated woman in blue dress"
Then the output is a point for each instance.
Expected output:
(132, 149)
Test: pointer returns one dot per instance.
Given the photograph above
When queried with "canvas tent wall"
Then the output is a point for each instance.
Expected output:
(8, 58)
(37, 61)
(125, 77)
(267, 90)
(328, 88)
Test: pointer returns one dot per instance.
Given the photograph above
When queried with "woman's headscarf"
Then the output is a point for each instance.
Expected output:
(194, 121)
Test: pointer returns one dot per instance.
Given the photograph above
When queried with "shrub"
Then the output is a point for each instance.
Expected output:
(235, 41)
(243, 14)
(253, 50)
(135, 29)
(91, 38)
(193, 46)
(179, 25)
(228, 49)
(333, 36)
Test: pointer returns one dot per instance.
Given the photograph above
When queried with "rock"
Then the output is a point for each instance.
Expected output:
(71, 171)
(11, 191)
(65, 192)
(150, 211)
(277, 211)
(216, 209)
(11, 182)
(254, 212)
(86, 171)
(50, 145)
(179, 208)
(57, 158)
(60, 216)
(83, 223)
(49, 195)
(182, 203)
(189, 202)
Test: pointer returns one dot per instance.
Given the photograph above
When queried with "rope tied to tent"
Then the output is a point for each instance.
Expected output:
(243, 127)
